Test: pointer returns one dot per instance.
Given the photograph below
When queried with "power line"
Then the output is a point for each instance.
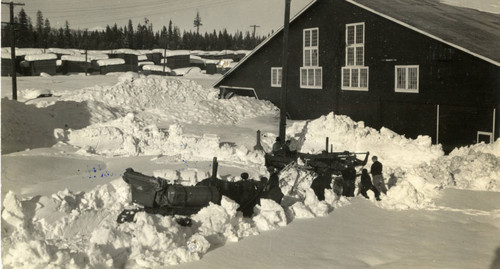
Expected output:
(13, 47)
(254, 27)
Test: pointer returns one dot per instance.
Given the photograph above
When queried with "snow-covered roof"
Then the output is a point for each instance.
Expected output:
(242, 52)
(196, 59)
(125, 51)
(145, 63)
(176, 53)
(61, 51)
(145, 51)
(158, 68)
(40, 57)
(114, 61)
(81, 58)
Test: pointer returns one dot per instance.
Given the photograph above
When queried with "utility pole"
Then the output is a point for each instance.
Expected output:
(284, 68)
(254, 27)
(13, 47)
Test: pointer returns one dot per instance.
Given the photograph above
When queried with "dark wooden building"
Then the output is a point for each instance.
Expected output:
(418, 67)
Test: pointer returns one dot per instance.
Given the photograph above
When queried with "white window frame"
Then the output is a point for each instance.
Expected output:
(352, 87)
(355, 45)
(308, 50)
(316, 85)
(488, 134)
(355, 66)
(313, 66)
(407, 73)
(276, 82)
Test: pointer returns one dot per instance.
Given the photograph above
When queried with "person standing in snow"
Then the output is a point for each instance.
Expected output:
(366, 184)
(277, 146)
(321, 182)
(349, 175)
(378, 179)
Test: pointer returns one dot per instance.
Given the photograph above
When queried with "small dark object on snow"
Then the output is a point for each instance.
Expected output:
(127, 215)
(185, 222)
(45, 95)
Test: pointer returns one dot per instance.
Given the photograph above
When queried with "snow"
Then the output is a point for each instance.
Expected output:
(441, 211)
(81, 58)
(40, 57)
(126, 51)
(61, 51)
(107, 62)
(491, 6)
(158, 68)
(145, 63)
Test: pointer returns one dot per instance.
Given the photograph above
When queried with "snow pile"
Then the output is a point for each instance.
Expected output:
(345, 134)
(75, 230)
(130, 136)
(78, 230)
(174, 99)
(414, 169)
(269, 215)
(300, 201)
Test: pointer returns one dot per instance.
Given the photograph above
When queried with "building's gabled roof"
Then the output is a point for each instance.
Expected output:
(472, 31)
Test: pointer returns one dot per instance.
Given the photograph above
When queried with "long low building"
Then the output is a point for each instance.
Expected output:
(418, 67)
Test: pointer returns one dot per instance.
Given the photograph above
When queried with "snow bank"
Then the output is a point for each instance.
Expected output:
(345, 134)
(414, 169)
(178, 100)
(130, 136)
(76, 230)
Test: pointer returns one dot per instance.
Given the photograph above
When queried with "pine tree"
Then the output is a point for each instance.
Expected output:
(39, 29)
(22, 30)
(67, 35)
(197, 22)
(47, 40)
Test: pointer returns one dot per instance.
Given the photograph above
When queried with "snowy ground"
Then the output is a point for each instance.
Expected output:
(62, 158)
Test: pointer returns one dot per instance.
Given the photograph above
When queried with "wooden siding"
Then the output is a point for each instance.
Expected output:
(448, 77)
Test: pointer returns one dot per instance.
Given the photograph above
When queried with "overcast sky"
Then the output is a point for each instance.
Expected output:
(215, 14)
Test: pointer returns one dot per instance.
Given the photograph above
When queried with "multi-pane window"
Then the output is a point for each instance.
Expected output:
(276, 76)
(311, 72)
(355, 74)
(406, 78)
(355, 78)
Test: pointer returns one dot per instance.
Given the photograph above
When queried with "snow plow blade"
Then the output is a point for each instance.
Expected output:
(325, 160)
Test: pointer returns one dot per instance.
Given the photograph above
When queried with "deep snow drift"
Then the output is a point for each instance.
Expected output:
(74, 229)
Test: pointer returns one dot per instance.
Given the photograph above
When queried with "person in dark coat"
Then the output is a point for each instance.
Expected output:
(277, 146)
(321, 182)
(366, 184)
(349, 175)
(272, 189)
(378, 179)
